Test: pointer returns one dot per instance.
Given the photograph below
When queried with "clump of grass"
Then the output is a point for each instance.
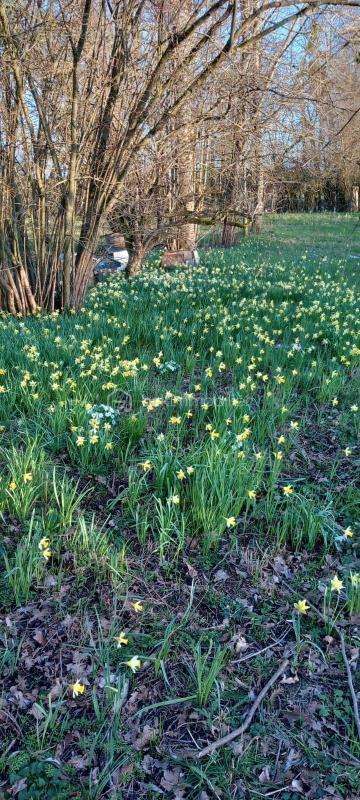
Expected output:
(24, 569)
(26, 479)
(207, 668)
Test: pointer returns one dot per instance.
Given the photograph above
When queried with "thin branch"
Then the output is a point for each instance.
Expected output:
(248, 719)
(350, 682)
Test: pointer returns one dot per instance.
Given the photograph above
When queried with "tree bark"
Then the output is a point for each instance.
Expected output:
(136, 257)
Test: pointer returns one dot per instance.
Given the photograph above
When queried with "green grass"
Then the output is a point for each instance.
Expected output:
(173, 457)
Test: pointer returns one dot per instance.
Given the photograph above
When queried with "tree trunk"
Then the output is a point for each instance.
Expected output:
(136, 257)
(15, 292)
(355, 198)
(228, 234)
(259, 210)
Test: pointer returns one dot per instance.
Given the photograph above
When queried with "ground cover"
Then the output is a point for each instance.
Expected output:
(179, 505)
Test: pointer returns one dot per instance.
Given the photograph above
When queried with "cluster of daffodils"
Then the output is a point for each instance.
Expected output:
(121, 640)
(348, 590)
(100, 427)
(228, 361)
(25, 478)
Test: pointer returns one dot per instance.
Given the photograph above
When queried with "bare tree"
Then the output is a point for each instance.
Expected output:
(84, 87)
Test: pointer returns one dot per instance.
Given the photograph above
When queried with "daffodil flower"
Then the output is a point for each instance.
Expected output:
(137, 606)
(288, 489)
(134, 663)
(77, 688)
(336, 584)
(302, 606)
(44, 543)
(121, 639)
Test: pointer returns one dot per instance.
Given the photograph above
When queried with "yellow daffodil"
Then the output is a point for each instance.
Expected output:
(302, 606)
(121, 639)
(77, 688)
(336, 584)
(230, 522)
(134, 663)
(44, 543)
(137, 606)
(288, 489)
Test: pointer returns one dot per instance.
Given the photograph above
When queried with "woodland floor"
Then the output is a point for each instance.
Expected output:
(179, 466)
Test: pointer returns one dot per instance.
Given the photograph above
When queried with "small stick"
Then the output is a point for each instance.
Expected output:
(263, 650)
(11, 720)
(350, 682)
(238, 731)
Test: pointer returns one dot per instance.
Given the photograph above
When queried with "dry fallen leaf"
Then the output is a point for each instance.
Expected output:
(290, 679)
(221, 575)
(297, 786)
(170, 779)
(264, 776)
(191, 570)
(145, 737)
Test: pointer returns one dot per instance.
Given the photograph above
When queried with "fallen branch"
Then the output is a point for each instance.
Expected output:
(350, 682)
(340, 634)
(239, 731)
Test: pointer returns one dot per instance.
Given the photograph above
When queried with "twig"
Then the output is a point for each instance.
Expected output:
(263, 650)
(239, 731)
(350, 682)
(12, 720)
